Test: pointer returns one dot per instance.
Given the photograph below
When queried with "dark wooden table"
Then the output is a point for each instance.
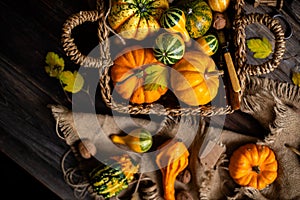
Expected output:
(30, 29)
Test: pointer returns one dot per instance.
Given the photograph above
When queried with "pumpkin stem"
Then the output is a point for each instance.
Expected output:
(210, 74)
(256, 169)
(190, 11)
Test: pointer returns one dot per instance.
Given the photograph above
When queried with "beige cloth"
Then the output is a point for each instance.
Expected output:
(275, 105)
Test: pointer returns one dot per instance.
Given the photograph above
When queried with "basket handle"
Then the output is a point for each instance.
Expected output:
(71, 48)
(244, 69)
(275, 27)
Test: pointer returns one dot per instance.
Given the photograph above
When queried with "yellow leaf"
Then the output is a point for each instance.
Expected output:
(73, 82)
(55, 64)
(261, 48)
(156, 76)
(296, 78)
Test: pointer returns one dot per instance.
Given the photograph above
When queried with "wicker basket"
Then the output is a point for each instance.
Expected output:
(104, 61)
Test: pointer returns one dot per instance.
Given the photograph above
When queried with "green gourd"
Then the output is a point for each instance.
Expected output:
(208, 44)
(109, 180)
(138, 140)
(169, 48)
(173, 20)
(198, 17)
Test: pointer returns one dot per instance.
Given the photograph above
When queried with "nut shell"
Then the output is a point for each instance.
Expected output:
(184, 177)
(219, 21)
(184, 195)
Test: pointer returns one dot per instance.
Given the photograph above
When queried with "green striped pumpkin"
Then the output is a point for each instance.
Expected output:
(169, 48)
(198, 17)
(109, 180)
(173, 20)
(208, 44)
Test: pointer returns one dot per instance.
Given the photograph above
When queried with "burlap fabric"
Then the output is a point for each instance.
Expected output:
(275, 105)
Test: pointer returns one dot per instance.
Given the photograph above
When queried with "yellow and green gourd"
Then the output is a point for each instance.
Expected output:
(136, 19)
(173, 20)
(169, 48)
(109, 180)
(138, 140)
(198, 17)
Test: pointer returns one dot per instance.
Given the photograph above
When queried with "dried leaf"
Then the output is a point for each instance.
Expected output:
(261, 48)
(73, 82)
(55, 64)
(156, 76)
(296, 78)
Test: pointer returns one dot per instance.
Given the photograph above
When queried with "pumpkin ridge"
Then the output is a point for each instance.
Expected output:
(271, 167)
(262, 154)
(265, 176)
(254, 155)
(116, 26)
(245, 179)
(270, 158)
(241, 173)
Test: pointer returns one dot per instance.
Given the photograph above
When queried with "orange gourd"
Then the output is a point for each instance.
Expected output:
(172, 158)
(253, 165)
(218, 5)
(195, 79)
(137, 76)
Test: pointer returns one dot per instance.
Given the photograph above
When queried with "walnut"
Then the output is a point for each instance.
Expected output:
(184, 177)
(184, 195)
(219, 21)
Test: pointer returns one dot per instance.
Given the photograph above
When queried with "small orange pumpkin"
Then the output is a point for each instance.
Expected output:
(195, 79)
(253, 165)
(139, 77)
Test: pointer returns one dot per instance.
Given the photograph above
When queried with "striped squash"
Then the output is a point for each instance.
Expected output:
(208, 44)
(198, 17)
(135, 19)
(109, 180)
(169, 48)
(173, 20)
(218, 5)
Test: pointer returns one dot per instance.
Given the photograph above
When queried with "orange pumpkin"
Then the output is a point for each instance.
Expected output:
(138, 77)
(218, 5)
(253, 165)
(194, 79)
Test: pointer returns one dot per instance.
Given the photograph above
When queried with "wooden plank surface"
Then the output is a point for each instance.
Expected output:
(32, 28)
(29, 30)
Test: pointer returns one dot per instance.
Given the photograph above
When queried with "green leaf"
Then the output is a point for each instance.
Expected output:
(72, 82)
(261, 48)
(55, 64)
(156, 76)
